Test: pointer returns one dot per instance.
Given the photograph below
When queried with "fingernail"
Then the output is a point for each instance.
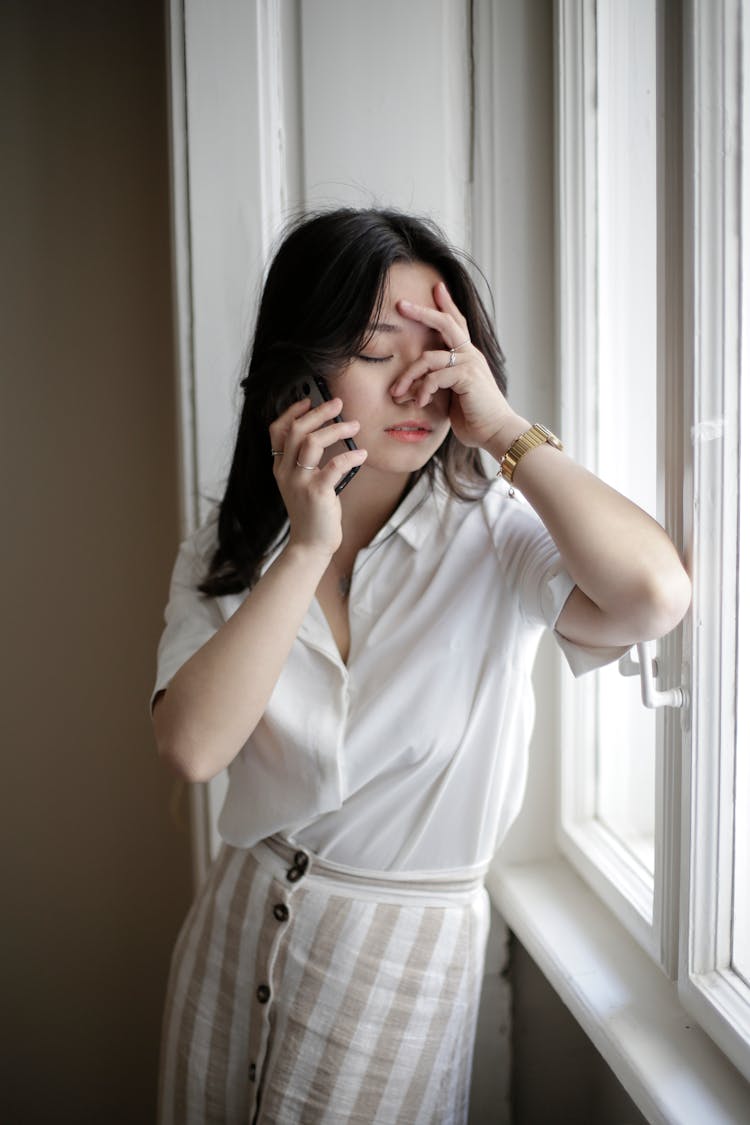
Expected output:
(406, 304)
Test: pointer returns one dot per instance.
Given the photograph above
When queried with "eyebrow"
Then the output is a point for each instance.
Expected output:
(383, 326)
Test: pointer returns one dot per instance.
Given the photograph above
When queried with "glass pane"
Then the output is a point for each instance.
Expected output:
(741, 881)
(628, 385)
(625, 799)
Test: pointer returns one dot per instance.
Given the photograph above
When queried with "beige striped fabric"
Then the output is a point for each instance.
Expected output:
(304, 993)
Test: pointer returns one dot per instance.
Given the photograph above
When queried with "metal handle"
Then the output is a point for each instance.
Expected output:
(647, 667)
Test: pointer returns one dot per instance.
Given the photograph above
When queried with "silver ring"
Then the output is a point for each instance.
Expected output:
(277, 452)
(301, 466)
(463, 345)
(451, 358)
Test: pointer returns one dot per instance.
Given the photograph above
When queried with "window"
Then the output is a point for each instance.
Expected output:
(614, 412)
(655, 805)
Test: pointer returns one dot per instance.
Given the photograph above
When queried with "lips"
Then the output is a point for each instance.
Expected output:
(409, 431)
(409, 425)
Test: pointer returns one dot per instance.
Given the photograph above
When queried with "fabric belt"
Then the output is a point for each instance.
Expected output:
(438, 888)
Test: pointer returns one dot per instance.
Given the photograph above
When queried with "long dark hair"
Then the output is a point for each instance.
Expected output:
(322, 289)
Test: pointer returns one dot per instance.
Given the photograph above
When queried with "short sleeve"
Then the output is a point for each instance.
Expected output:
(532, 564)
(587, 658)
(529, 558)
(191, 618)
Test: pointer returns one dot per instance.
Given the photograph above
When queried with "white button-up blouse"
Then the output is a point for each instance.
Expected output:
(412, 755)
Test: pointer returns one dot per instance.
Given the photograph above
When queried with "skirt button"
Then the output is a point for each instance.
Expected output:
(263, 993)
(281, 912)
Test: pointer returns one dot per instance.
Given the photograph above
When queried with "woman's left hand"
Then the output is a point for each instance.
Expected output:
(478, 408)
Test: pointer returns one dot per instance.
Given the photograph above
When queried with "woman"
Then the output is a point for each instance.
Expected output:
(371, 694)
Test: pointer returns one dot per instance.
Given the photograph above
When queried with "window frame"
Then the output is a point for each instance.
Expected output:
(711, 990)
(700, 360)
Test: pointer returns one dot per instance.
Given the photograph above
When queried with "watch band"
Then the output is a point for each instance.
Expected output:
(530, 439)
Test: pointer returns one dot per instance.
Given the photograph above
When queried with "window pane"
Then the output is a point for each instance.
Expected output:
(625, 797)
(627, 385)
(741, 879)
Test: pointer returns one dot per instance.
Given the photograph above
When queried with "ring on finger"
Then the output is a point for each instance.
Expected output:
(277, 452)
(451, 358)
(301, 466)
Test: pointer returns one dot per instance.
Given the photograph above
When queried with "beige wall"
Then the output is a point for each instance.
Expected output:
(95, 873)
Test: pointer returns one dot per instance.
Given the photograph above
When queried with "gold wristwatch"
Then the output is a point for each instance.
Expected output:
(530, 439)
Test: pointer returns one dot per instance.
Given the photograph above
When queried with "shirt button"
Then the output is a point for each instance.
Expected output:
(281, 912)
(293, 874)
(263, 993)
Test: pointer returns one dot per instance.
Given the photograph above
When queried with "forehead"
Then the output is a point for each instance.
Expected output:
(410, 281)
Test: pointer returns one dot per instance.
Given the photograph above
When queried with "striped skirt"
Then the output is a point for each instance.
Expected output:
(303, 992)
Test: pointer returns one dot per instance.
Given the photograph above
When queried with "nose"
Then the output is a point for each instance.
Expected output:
(397, 399)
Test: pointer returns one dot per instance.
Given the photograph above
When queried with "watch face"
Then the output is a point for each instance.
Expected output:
(551, 438)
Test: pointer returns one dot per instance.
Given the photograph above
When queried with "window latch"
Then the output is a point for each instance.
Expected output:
(647, 667)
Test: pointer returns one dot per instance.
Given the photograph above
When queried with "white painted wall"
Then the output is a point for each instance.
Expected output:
(386, 106)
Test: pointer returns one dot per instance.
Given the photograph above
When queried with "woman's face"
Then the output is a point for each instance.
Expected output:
(399, 438)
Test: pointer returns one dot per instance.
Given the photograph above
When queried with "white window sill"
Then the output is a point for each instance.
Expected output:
(626, 1005)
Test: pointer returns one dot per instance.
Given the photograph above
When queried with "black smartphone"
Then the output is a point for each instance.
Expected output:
(316, 389)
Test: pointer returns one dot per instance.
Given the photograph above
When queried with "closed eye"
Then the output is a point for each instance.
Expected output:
(374, 358)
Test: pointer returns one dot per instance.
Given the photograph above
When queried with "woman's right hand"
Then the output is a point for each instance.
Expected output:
(307, 480)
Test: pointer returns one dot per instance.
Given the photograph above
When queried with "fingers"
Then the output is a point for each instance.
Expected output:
(310, 449)
(299, 439)
(430, 374)
(444, 299)
(332, 472)
(290, 429)
(446, 319)
(279, 429)
(298, 409)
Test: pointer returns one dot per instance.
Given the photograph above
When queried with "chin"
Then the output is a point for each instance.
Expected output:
(399, 465)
